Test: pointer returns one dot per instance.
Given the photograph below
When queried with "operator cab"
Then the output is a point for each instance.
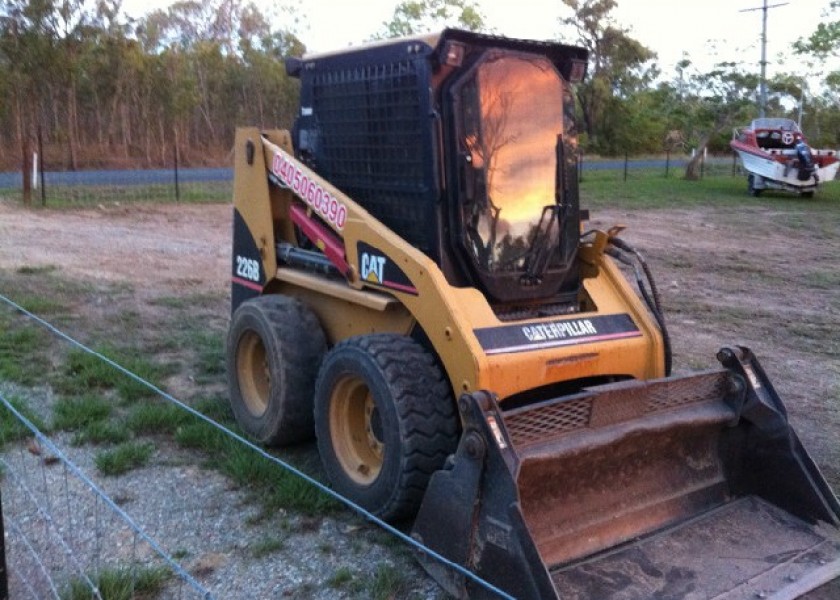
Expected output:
(464, 145)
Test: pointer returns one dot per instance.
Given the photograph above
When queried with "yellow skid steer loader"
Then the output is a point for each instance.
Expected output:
(412, 284)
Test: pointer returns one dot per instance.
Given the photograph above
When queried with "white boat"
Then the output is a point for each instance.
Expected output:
(776, 155)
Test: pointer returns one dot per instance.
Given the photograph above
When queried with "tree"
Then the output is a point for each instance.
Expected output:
(618, 68)
(821, 44)
(825, 39)
(103, 88)
(715, 101)
(423, 16)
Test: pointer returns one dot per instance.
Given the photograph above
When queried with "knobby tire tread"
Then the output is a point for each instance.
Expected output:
(297, 334)
(426, 409)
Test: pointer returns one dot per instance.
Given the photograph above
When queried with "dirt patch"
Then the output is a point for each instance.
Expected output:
(137, 254)
(763, 276)
(760, 276)
(159, 247)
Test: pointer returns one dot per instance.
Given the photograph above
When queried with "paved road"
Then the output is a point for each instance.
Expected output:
(122, 177)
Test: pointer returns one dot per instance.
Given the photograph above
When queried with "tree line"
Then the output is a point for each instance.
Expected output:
(98, 89)
(101, 89)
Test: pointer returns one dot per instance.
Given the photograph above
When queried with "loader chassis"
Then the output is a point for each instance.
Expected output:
(410, 284)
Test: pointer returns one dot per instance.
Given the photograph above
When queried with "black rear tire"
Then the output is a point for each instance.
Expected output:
(275, 345)
(385, 420)
(751, 189)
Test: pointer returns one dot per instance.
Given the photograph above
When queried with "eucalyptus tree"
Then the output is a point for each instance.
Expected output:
(715, 101)
(423, 16)
(821, 48)
(106, 89)
(226, 62)
(619, 67)
(824, 41)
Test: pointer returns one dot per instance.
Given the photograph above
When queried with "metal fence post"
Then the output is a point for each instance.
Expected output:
(26, 167)
(580, 165)
(41, 166)
(4, 580)
(177, 187)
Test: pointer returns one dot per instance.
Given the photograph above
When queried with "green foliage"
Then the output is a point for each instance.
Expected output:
(210, 352)
(340, 579)
(202, 436)
(77, 413)
(101, 432)
(155, 418)
(84, 371)
(277, 487)
(11, 428)
(266, 546)
(618, 67)
(645, 189)
(40, 305)
(123, 458)
(119, 584)
(824, 41)
(388, 582)
(24, 351)
(216, 408)
(74, 196)
(110, 91)
(423, 16)
(39, 270)
(271, 484)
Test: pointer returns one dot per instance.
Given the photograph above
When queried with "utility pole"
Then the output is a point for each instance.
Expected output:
(801, 103)
(763, 85)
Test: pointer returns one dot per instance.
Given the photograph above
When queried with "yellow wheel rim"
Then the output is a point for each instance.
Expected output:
(355, 430)
(253, 374)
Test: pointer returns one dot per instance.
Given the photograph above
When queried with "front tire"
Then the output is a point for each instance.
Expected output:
(385, 420)
(274, 348)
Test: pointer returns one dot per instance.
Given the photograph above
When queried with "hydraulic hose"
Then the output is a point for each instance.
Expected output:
(652, 299)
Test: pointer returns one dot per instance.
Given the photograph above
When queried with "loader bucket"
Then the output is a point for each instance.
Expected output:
(684, 487)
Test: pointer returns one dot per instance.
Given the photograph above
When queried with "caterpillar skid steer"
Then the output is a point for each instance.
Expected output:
(412, 283)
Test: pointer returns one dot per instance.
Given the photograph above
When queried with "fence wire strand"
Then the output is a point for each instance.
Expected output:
(183, 575)
(100, 498)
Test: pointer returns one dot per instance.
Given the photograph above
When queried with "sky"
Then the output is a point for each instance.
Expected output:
(709, 31)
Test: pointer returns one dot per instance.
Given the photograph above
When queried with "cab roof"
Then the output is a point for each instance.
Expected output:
(433, 45)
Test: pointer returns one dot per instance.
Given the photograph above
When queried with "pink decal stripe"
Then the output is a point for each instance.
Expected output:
(246, 283)
(399, 286)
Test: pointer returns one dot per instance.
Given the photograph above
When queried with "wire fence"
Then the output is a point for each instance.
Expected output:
(667, 166)
(72, 188)
(68, 538)
(176, 184)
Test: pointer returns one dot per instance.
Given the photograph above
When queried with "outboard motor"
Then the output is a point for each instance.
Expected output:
(806, 161)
